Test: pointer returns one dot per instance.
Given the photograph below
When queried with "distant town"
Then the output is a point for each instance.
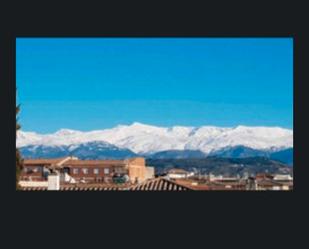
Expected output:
(72, 173)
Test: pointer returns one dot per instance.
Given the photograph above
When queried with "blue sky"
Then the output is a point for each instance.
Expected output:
(93, 83)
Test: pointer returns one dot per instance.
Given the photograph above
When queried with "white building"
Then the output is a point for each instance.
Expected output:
(179, 174)
(53, 182)
(281, 177)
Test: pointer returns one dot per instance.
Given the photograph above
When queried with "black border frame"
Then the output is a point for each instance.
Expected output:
(238, 218)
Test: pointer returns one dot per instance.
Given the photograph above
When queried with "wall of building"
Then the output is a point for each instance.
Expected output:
(103, 174)
(53, 182)
(33, 183)
(150, 172)
(137, 169)
(32, 173)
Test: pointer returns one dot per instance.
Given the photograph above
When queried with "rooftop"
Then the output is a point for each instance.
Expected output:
(94, 163)
(160, 184)
(40, 161)
(157, 184)
(177, 171)
(73, 161)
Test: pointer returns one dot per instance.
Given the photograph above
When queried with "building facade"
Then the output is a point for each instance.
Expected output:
(85, 170)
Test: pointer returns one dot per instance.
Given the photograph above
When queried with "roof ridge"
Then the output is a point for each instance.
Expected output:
(158, 179)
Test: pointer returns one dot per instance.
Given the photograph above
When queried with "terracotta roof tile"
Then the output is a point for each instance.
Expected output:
(94, 163)
(157, 184)
(43, 161)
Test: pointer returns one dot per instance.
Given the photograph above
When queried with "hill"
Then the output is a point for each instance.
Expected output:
(224, 166)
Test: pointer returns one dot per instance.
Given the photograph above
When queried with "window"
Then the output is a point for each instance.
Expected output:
(106, 171)
(85, 171)
(120, 170)
(29, 170)
(75, 171)
(96, 171)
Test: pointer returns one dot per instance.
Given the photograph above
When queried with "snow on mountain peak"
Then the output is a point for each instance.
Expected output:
(66, 132)
(138, 124)
(142, 138)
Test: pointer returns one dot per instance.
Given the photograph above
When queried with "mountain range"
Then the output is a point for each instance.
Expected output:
(222, 166)
(161, 142)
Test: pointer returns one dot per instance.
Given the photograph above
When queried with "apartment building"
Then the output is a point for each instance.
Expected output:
(86, 170)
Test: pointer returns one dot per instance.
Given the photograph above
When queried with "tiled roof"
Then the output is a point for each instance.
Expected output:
(77, 161)
(43, 161)
(200, 187)
(67, 161)
(157, 184)
(94, 163)
(75, 188)
(222, 183)
(274, 183)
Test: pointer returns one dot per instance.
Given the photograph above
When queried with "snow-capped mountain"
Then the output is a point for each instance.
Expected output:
(90, 150)
(146, 139)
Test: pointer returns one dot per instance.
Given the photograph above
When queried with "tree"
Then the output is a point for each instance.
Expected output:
(18, 156)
